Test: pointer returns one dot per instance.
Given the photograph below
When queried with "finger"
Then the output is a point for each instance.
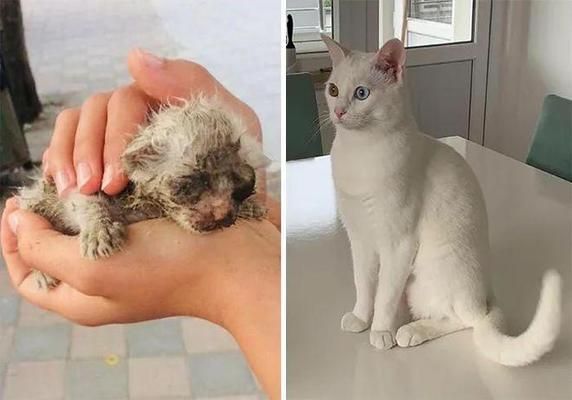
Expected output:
(17, 270)
(69, 303)
(60, 157)
(169, 80)
(45, 164)
(126, 111)
(88, 144)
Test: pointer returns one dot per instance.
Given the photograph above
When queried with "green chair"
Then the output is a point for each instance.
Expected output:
(551, 148)
(303, 139)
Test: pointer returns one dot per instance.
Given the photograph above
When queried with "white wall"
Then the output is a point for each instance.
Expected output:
(531, 56)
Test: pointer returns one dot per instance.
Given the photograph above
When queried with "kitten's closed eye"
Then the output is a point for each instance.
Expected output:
(244, 182)
(192, 186)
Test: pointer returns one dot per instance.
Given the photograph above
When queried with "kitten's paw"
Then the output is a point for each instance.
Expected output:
(407, 336)
(382, 340)
(102, 241)
(44, 281)
(251, 209)
(351, 323)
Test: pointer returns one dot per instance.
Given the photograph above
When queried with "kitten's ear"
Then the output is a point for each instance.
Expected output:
(336, 50)
(251, 151)
(391, 59)
(140, 156)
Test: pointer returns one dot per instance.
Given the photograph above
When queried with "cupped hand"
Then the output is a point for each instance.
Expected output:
(162, 270)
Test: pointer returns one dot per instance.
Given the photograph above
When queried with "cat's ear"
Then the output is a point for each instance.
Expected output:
(336, 50)
(391, 59)
(141, 155)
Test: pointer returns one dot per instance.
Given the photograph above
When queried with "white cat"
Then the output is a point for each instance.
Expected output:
(416, 219)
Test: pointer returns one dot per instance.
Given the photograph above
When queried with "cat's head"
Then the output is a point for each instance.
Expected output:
(364, 88)
(197, 161)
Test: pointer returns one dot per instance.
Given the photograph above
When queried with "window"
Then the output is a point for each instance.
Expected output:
(311, 18)
(427, 22)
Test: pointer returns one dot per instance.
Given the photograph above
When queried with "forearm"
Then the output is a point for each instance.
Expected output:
(254, 321)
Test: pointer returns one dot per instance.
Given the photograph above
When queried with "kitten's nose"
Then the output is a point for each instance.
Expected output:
(339, 111)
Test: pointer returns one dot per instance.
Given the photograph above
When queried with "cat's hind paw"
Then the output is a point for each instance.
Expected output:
(351, 323)
(44, 281)
(102, 241)
(383, 340)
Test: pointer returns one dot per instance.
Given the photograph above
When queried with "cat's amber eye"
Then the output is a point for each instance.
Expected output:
(361, 93)
(333, 90)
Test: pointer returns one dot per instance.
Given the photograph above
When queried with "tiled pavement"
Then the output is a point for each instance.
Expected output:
(44, 357)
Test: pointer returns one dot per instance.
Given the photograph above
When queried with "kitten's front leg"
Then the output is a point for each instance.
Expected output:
(393, 274)
(100, 236)
(365, 265)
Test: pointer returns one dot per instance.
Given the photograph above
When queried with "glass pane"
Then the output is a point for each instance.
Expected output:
(432, 10)
(426, 22)
(311, 18)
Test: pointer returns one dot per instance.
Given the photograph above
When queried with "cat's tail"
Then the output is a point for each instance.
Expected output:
(537, 340)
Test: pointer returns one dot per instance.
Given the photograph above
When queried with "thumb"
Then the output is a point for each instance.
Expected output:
(22, 222)
(166, 80)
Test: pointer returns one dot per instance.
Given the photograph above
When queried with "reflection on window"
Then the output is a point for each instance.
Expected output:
(311, 18)
(432, 10)
(426, 22)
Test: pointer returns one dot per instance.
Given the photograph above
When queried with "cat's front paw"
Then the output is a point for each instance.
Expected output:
(383, 340)
(102, 241)
(251, 209)
(351, 323)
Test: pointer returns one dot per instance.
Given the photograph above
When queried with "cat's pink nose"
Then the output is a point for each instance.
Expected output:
(339, 112)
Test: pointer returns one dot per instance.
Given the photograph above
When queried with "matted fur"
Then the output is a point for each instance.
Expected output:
(193, 163)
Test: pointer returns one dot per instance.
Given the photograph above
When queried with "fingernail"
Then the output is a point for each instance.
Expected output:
(62, 181)
(151, 60)
(13, 222)
(107, 176)
(83, 173)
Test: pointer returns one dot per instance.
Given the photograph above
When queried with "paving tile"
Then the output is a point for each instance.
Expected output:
(99, 342)
(220, 374)
(31, 315)
(155, 338)
(6, 340)
(201, 336)
(42, 380)
(6, 288)
(95, 380)
(41, 343)
(151, 378)
(9, 309)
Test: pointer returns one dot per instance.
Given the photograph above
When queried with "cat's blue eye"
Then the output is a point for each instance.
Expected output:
(361, 93)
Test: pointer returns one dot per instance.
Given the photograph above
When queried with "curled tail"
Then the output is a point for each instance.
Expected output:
(536, 341)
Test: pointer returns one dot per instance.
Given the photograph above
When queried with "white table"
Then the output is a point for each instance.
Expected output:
(530, 215)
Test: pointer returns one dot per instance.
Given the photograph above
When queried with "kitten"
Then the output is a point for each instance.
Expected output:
(416, 219)
(194, 164)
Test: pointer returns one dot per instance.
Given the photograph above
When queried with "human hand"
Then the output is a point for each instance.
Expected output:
(162, 270)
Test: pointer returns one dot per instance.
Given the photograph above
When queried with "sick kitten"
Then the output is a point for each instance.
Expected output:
(416, 220)
(194, 164)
